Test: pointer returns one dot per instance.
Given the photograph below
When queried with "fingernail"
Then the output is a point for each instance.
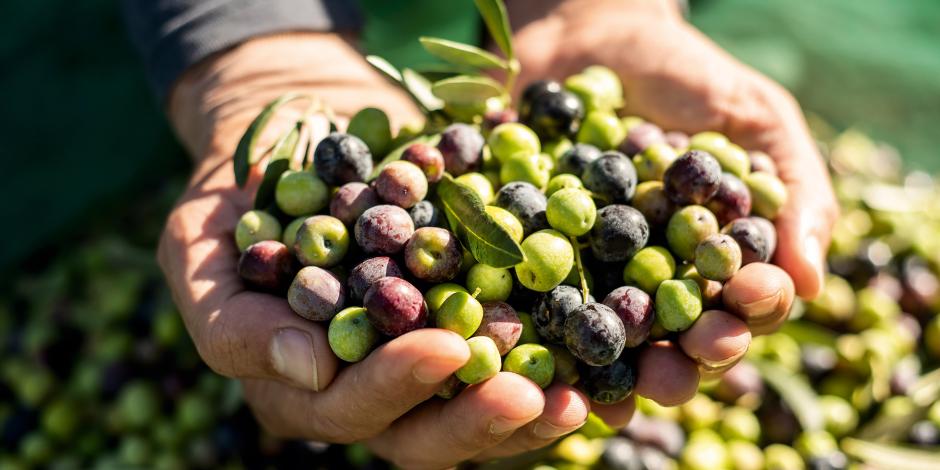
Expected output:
(294, 358)
(759, 309)
(502, 426)
(434, 370)
(812, 250)
(546, 430)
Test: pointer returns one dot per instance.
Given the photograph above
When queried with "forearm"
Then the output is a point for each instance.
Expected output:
(214, 102)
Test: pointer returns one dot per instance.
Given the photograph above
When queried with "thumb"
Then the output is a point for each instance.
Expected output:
(256, 335)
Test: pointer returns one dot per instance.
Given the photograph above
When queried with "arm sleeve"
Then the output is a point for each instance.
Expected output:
(172, 35)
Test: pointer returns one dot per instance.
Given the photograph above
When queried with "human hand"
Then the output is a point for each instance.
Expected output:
(675, 77)
(293, 382)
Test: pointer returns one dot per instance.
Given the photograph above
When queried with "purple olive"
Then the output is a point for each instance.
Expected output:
(693, 178)
(462, 148)
(384, 229)
(755, 247)
(731, 201)
(367, 272)
(351, 200)
(316, 294)
(641, 136)
(635, 309)
(501, 324)
(267, 265)
(395, 307)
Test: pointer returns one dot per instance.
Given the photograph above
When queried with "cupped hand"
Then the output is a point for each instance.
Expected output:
(293, 382)
(675, 77)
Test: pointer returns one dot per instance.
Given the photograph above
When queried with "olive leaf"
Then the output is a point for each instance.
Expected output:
(466, 89)
(413, 83)
(245, 155)
(497, 22)
(488, 241)
(439, 72)
(795, 391)
(279, 163)
(892, 457)
(420, 88)
(462, 54)
(385, 67)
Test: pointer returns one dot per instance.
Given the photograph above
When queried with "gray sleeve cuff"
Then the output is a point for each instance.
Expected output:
(172, 35)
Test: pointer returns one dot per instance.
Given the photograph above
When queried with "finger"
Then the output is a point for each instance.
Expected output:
(443, 433)
(617, 415)
(716, 341)
(666, 375)
(368, 396)
(761, 295)
(805, 222)
(803, 233)
(566, 410)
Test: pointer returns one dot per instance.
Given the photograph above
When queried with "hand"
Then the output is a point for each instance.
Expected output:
(678, 79)
(291, 378)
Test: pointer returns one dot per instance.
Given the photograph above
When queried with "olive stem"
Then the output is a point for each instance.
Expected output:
(511, 74)
(577, 262)
(303, 143)
(476, 292)
(600, 197)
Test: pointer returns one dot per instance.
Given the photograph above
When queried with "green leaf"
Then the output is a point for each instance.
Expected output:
(414, 84)
(420, 89)
(463, 54)
(466, 89)
(265, 195)
(892, 457)
(497, 22)
(245, 155)
(385, 67)
(795, 391)
(488, 241)
(279, 163)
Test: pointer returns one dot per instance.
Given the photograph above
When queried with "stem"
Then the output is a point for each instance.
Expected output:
(300, 151)
(315, 105)
(512, 74)
(577, 262)
(476, 292)
(594, 195)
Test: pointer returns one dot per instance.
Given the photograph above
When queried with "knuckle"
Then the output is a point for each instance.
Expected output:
(217, 348)
(338, 428)
(469, 441)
